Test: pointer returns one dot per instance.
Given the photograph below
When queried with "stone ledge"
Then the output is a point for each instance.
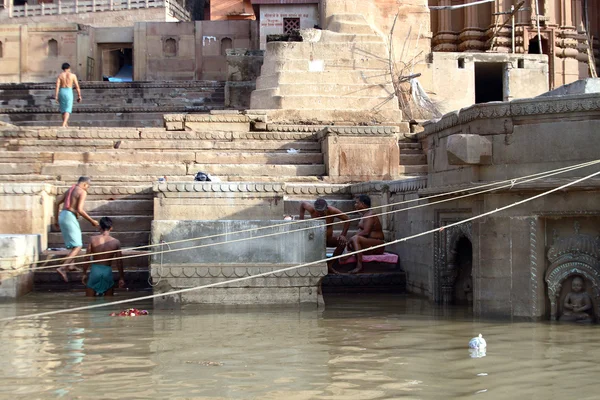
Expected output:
(217, 187)
(109, 110)
(316, 189)
(233, 271)
(116, 86)
(515, 108)
(26, 188)
(398, 186)
(542, 184)
(115, 190)
(230, 118)
(362, 130)
(294, 128)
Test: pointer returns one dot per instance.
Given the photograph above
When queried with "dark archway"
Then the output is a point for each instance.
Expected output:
(463, 285)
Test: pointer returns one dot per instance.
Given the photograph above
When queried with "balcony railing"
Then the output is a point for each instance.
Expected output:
(89, 6)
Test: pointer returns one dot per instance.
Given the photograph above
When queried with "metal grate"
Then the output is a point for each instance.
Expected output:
(290, 25)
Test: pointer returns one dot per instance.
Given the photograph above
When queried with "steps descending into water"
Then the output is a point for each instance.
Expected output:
(110, 104)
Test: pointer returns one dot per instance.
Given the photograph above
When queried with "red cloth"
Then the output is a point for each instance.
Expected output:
(388, 258)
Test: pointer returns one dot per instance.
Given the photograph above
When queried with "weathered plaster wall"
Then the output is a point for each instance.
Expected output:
(509, 248)
(195, 267)
(17, 252)
(29, 57)
(100, 19)
(271, 18)
(201, 49)
(453, 86)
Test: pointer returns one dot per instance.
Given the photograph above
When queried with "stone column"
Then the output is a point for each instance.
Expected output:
(472, 37)
(445, 39)
(500, 38)
(566, 43)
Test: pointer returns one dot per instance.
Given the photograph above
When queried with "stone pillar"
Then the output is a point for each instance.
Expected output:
(361, 153)
(23, 51)
(472, 37)
(17, 253)
(500, 37)
(445, 39)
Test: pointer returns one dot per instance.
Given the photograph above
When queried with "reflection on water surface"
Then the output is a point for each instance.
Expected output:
(360, 347)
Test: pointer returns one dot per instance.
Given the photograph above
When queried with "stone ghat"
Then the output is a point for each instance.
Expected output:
(196, 267)
(131, 104)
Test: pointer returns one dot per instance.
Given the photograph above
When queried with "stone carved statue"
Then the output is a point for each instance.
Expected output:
(577, 303)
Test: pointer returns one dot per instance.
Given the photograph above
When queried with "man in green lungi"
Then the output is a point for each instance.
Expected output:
(100, 280)
(64, 92)
(66, 221)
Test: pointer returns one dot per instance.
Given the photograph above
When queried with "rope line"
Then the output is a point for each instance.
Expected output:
(404, 239)
(512, 180)
(161, 252)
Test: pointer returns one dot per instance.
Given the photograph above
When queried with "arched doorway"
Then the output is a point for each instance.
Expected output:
(463, 285)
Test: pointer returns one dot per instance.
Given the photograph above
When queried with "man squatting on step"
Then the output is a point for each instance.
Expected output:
(370, 233)
(100, 280)
(64, 92)
(74, 201)
(322, 209)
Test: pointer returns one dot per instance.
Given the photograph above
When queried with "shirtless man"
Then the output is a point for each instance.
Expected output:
(321, 209)
(370, 232)
(66, 221)
(64, 92)
(100, 280)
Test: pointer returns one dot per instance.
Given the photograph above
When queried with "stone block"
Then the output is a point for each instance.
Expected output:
(17, 252)
(468, 149)
(358, 157)
(230, 258)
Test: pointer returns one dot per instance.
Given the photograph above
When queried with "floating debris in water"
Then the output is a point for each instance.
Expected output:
(477, 343)
(206, 363)
(130, 312)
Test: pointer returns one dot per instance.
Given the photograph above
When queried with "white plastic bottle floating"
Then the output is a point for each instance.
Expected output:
(477, 343)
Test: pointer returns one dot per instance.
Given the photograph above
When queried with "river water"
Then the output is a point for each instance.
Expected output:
(360, 347)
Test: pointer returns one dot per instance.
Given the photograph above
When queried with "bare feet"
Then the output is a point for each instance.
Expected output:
(63, 273)
(356, 270)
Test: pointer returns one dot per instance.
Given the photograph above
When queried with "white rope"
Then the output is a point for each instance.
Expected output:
(544, 174)
(404, 239)
(511, 185)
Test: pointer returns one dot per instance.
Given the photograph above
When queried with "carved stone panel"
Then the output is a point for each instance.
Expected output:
(570, 257)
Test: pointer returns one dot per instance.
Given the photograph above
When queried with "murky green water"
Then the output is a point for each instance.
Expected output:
(376, 347)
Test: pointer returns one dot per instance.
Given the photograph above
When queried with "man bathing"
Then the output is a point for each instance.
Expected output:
(321, 209)
(64, 92)
(74, 201)
(370, 233)
(100, 280)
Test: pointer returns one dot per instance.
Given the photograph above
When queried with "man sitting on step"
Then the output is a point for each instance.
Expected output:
(321, 209)
(100, 280)
(74, 200)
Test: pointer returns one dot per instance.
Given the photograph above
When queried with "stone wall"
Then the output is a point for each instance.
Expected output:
(17, 252)
(191, 50)
(491, 142)
(26, 208)
(272, 18)
(202, 266)
(453, 77)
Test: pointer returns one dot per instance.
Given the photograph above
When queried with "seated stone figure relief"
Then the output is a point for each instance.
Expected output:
(578, 303)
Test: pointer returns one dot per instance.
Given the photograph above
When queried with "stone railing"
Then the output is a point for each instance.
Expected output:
(89, 6)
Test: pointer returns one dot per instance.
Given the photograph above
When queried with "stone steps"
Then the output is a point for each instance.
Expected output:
(327, 51)
(371, 77)
(139, 104)
(120, 207)
(127, 238)
(413, 169)
(363, 90)
(121, 223)
(413, 159)
(363, 64)
(274, 157)
(161, 145)
(268, 99)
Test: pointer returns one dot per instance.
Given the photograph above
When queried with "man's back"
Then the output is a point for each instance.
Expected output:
(104, 243)
(66, 79)
(72, 199)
